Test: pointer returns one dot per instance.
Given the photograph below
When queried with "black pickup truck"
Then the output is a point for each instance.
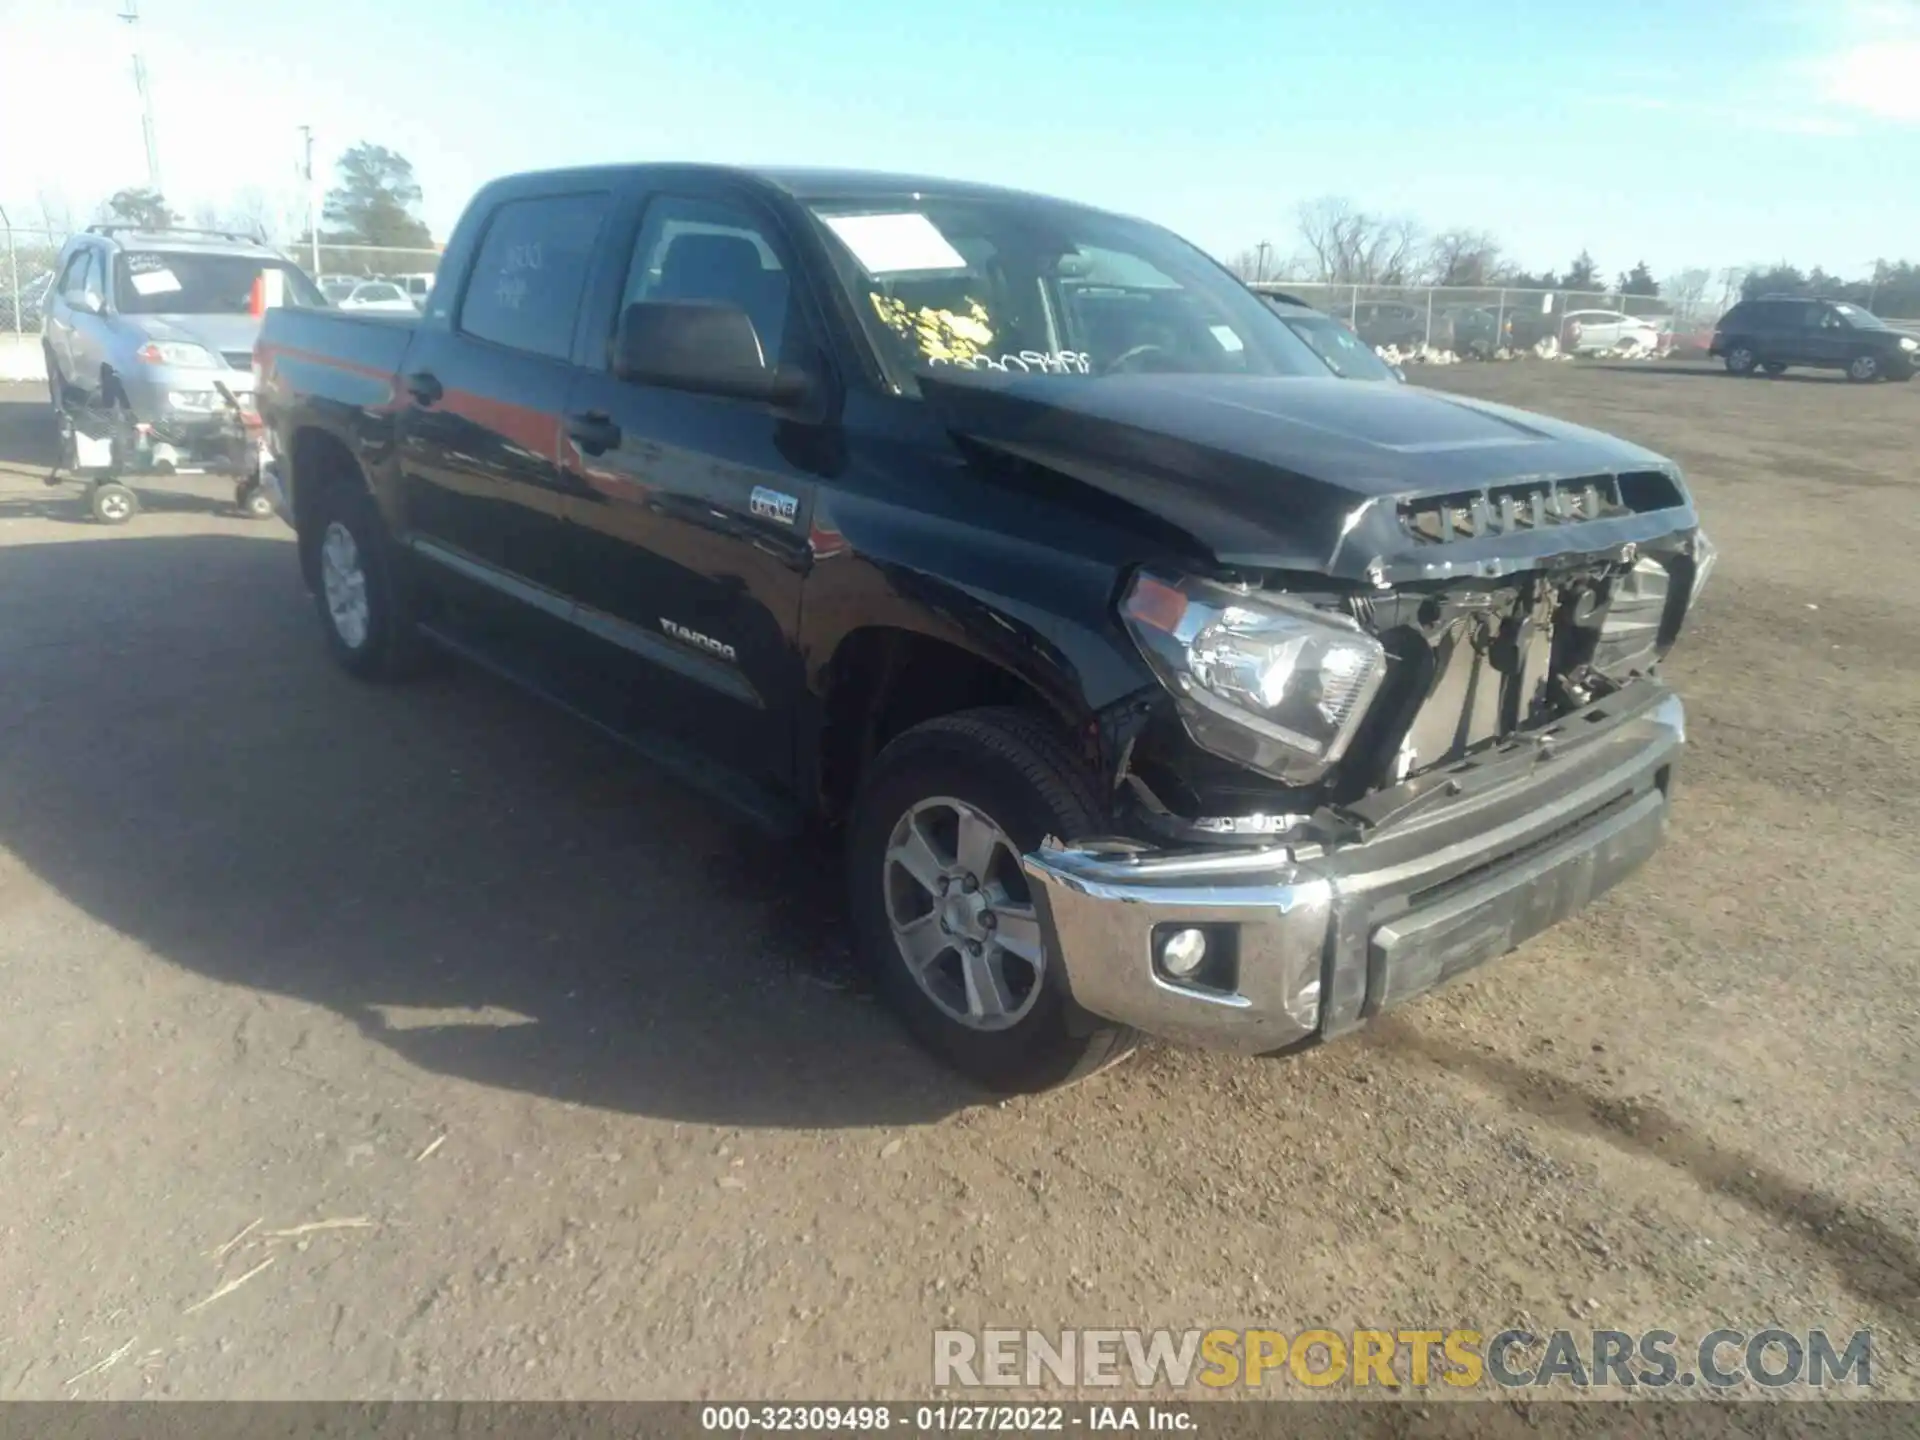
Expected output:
(1153, 679)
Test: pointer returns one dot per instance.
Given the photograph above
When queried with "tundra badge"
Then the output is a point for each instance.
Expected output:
(772, 505)
(694, 637)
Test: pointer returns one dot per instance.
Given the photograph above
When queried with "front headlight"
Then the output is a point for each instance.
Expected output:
(1264, 681)
(1907, 342)
(180, 353)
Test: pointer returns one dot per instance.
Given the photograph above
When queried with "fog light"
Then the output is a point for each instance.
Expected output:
(1183, 952)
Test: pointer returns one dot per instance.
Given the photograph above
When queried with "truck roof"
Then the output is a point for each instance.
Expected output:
(806, 183)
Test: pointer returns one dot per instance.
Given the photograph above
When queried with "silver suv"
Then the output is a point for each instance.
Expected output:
(149, 320)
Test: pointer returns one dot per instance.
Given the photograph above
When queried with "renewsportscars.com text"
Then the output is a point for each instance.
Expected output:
(1392, 1359)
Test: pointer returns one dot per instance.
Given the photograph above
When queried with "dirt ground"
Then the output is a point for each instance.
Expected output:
(569, 1081)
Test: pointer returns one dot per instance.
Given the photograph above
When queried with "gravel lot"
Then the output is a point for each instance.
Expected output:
(570, 1076)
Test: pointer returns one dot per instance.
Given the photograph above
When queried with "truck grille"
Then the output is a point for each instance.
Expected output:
(1535, 505)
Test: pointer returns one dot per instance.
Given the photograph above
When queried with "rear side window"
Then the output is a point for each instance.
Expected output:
(530, 270)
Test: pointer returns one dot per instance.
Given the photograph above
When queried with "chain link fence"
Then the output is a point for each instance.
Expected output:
(1483, 323)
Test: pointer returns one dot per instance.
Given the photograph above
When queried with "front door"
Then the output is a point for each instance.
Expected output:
(480, 435)
(690, 513)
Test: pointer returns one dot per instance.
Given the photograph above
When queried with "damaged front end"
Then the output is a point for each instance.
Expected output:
(1352, 790)
(1425, 672)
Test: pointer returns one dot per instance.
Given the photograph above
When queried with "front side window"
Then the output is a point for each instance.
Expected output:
(948, 286)
(174, 282)
(530, 271)
(1858, 319)
(73, 280)
(1344, 352)
(712, 251)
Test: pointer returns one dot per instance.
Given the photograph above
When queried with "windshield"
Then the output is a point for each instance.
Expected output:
(155, 282)
(1026, 286)
(1344, 352)
(1860, 319)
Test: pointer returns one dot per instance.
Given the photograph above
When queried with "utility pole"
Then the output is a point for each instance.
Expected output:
(132, 16)
(313, 213)
(1261, 250)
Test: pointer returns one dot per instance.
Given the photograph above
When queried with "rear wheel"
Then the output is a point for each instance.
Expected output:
(1864, 368)
(943, 911)
(1741, 360)
(369, 627)
(112, 504)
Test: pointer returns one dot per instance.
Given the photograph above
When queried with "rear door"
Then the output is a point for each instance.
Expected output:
(1828, 336)
(691, 518)
(480, 435)
(1787, 333)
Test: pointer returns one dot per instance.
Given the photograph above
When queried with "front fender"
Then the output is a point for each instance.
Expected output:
(1045, 615)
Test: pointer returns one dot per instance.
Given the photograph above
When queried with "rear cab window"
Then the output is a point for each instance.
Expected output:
(530, 271)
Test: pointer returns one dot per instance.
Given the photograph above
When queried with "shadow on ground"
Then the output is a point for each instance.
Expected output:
(483, 886)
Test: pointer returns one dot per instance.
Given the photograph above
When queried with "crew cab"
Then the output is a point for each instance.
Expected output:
(1153, 678)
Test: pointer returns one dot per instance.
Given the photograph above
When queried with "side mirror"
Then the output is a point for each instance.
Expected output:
(702, 346)
(91, 301)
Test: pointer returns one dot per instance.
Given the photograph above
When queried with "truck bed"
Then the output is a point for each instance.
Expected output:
(329, 354)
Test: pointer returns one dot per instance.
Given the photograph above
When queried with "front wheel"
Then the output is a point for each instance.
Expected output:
(1864, 369)
(944, 913)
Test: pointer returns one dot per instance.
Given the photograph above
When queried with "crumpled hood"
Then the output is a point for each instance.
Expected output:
(1310, 474)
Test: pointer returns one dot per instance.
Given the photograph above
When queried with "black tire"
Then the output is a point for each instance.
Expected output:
(388, 647)
(1865, 368)
(112, 504)
(1741, 358)
(1774, 367)
(1016, 769)
(252, 501)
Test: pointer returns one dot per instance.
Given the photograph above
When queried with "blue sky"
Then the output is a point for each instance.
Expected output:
(1682, 132)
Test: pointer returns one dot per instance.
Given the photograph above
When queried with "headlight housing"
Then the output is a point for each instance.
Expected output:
(1264, 681)
(1907, 342)
(178, 353)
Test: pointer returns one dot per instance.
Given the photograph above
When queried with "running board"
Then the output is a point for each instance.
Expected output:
(767, 810)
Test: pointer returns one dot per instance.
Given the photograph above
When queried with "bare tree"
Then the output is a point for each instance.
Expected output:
(1731, 279)
(1347, 246)
(1463, 257)
(255, 212)
(1687, 291)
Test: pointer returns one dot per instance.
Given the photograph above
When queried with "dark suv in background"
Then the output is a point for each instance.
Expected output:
(1776, 331)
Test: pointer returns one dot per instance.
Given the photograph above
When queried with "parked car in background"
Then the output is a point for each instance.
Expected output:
(337, 287)
(1607, 332)
(151, 321)
(1390, 322)
(1154, 678)
(416, 286)
(378, 295)
(1344, 352)
(1778, 331)
(1470, 331)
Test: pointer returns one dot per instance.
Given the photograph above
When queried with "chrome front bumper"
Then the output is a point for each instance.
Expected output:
(1320, 940)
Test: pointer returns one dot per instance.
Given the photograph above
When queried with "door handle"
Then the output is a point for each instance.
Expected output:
(593, 431)
(425, 387)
